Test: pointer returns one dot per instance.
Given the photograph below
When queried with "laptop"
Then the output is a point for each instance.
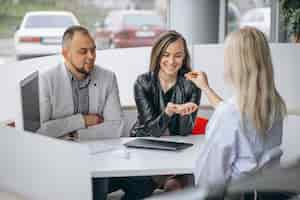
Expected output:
(146, 143)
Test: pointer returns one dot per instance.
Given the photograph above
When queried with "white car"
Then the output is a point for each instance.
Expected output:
(259, 18)
(41, 32)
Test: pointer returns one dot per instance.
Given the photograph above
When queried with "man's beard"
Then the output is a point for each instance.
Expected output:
(80, 69)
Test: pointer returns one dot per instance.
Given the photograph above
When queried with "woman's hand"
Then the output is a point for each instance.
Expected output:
(182, 109)
(186, 109)
(199, 78)
(170, 109)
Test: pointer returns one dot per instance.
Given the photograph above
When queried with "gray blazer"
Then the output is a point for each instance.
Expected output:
(57, 108)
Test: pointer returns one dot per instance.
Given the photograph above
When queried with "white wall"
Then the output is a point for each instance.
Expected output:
(127, 64)
(290, 139)
(286, 59)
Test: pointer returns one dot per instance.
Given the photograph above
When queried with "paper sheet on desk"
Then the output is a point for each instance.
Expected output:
(119, 151)
(100, 148)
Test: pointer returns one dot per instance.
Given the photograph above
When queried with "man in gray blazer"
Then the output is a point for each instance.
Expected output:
(77, 98)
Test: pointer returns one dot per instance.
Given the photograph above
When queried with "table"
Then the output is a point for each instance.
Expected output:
(124, 162)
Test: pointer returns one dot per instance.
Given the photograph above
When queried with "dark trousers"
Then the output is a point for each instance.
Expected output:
(135, 188)
(100, 188)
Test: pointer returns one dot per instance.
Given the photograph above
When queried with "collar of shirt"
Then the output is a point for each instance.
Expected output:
(80, 83)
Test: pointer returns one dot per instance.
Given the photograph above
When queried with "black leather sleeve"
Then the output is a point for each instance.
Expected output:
(187, 122)
(151, 122)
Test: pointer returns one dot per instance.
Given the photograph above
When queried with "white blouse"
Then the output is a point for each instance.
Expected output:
(231, 152)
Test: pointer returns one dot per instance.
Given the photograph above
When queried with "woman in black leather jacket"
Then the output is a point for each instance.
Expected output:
(167, 103)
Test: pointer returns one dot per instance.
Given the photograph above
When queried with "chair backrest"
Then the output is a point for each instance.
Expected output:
(38, 167)
(130, 117)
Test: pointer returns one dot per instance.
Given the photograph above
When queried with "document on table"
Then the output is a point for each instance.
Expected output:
(100, 148)
(119, 151)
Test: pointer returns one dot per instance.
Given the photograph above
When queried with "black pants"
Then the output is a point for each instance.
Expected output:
(135, 188)
(100, 188)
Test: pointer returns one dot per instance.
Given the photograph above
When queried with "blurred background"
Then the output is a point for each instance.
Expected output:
(119, 23)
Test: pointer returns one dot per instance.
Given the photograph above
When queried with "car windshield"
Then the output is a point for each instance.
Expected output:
(140, 20)
(49, 21)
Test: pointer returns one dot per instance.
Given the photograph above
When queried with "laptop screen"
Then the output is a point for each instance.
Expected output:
(30, 102)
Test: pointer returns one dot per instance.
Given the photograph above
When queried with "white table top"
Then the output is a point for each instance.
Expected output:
(123, 161)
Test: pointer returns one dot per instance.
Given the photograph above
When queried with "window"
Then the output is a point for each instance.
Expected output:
(129, 28)
(141, 20)
(107, 20)
(250, 13)
(44, 21)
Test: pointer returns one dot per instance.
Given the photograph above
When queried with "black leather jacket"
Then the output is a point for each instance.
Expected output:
(152, 120)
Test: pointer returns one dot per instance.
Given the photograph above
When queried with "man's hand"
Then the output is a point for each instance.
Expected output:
(73, 136)
(92, 119)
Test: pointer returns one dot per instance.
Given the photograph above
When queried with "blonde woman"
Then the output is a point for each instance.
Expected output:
(244, 133)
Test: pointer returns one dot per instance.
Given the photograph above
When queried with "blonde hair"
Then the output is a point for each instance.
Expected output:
(160, 46)
(248, 65)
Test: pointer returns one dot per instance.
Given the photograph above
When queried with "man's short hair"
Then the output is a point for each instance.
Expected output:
(69, 33)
